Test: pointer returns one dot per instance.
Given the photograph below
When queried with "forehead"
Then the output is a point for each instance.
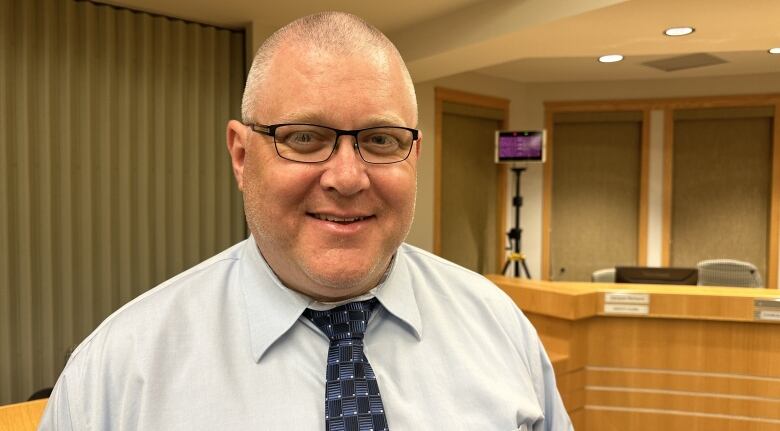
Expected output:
(344, 89)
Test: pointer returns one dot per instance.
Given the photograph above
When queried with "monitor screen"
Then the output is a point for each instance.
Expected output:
(652, 275)
(520, 146)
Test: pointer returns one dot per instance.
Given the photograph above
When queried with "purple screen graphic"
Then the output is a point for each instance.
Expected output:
(520, 146)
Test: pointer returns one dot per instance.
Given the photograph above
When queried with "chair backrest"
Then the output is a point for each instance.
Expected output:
(728, 272)
(606, 275)
(22, 416)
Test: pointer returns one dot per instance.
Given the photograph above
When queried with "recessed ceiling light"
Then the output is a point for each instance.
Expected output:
(774, 50)
(679, 31)
(611, 58)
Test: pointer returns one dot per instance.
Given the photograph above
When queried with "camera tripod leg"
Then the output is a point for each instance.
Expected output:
(506, 266)
(525, 268)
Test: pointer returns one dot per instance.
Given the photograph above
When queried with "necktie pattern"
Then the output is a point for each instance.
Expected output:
(352, 400)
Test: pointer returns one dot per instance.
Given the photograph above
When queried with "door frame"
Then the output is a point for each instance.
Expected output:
(464, 98)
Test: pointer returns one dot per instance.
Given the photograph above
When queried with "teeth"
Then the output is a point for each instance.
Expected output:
(338, 219)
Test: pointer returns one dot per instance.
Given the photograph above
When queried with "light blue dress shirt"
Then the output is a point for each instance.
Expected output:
(223, 346)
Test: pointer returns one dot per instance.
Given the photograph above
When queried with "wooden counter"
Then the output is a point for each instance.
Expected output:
(653, 357)
(22, 416)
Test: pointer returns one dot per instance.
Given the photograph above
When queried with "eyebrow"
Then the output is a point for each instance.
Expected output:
(315, 118)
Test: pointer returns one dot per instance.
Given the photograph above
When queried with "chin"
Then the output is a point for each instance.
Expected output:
(347, 280)
(343, 281)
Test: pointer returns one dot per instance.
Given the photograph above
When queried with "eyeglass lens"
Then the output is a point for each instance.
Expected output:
(306, 143)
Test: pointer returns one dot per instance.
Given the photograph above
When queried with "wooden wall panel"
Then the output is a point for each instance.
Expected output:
(607, 419)
(679, 344)
(721, 384)
(698, 361)
(683, 403)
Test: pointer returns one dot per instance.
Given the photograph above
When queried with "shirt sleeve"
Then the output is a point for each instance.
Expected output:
(542, 375)
(57, 414)
(555, 416)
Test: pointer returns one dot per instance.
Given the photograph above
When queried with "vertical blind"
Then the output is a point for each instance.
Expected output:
(113, 169)
(721, 185)
(596, 185)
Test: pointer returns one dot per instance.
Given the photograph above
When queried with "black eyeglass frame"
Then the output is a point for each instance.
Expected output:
(270, 130)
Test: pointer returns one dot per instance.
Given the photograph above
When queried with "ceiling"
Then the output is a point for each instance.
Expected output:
(530, 40)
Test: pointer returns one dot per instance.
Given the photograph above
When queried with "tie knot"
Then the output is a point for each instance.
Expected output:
(345, 321)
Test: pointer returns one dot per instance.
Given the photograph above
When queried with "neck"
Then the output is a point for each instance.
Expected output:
(322, 291)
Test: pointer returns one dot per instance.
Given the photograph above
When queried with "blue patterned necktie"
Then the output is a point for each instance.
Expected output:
(352, 401)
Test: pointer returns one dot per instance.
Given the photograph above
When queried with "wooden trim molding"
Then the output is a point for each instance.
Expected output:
(501, 207)
(644, 190)
(437, 175)
(465, 98)
(666, 227)
(774, 211)
(547, 197)
(666, 103)
(456, 96)
(576, 301)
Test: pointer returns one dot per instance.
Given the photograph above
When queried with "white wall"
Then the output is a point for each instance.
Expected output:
(527, 112)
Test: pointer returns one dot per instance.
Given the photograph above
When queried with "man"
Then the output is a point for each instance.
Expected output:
(322, 319)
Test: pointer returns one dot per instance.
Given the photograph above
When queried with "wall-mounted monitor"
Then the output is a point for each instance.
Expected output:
(520, 147)
(652, 275)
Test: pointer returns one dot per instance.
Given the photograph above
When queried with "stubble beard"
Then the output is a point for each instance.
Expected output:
(367, 279)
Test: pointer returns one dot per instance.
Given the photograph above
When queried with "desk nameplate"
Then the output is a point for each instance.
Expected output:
(626, 298)
(638, 309)
(637, 303)
(766, 309)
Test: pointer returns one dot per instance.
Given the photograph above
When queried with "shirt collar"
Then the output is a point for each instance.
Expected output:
(272, 308)
(397, 295)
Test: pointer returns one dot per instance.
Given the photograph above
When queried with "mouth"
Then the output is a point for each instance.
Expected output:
(344, 220)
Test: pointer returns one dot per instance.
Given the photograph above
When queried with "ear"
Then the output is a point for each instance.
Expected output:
(236, 145)
(419, 144)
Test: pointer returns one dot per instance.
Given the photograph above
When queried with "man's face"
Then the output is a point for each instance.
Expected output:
(288, 204)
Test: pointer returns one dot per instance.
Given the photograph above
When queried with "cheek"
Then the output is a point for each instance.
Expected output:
(276, 182)
(272, 193)
(398, 190)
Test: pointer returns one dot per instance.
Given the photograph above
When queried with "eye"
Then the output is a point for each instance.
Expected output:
(382, 139)
(303, 135)
(300, 137)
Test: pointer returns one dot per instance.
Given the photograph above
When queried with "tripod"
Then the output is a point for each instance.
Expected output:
(516, 233)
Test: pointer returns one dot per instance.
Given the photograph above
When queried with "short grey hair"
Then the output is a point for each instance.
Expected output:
(338, 32)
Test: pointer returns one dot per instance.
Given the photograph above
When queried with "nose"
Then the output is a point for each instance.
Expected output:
(345, 172)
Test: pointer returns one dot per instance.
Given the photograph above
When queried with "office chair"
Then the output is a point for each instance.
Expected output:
(606, 275)
(728, 272)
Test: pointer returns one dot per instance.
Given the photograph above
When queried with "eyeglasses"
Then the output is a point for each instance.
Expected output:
(310, 143)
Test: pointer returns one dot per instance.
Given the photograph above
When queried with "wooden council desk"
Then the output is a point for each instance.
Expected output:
(653, 357)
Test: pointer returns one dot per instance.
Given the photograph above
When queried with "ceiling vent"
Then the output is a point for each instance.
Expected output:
(684, 62)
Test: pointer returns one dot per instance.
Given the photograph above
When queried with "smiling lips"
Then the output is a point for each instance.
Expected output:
(340, 220)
